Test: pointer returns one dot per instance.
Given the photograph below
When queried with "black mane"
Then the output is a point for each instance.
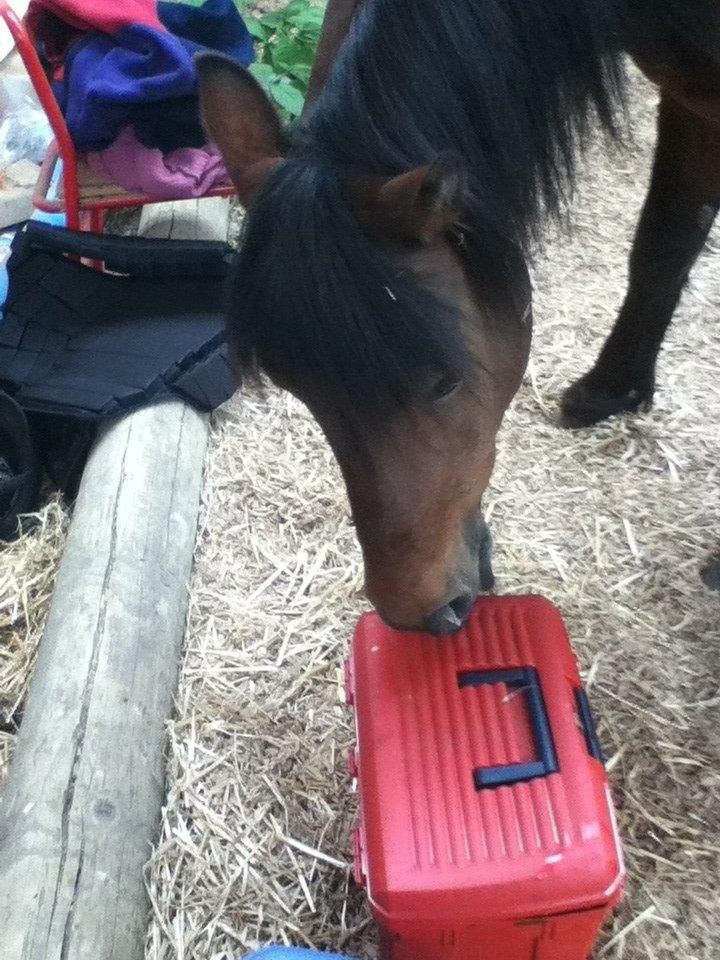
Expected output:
(511, 86)
(313, 296)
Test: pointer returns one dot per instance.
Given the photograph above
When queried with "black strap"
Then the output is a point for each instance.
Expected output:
(136, 256)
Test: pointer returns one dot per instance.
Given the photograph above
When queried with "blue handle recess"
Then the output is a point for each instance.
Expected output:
(527, 680)
(586, 718)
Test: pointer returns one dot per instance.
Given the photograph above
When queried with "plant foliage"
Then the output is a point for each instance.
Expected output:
(285, 43)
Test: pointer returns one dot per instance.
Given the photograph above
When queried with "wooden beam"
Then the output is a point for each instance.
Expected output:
(81, 808)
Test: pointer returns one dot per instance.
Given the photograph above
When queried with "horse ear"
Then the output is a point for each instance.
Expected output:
(420, 205)
(240, 120)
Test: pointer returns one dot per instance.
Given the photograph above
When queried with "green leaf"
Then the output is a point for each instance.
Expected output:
(301, 73)
(264, 74)
(288, 53)
(287, 39)
(288, 97)
(273, 20)
(256, 28)
(294, 8)
(281, 54)
(310, 19)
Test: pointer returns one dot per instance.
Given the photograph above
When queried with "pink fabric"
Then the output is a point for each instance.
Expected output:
(106, 15)
(181, 175)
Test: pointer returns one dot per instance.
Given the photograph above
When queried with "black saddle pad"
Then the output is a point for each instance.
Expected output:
(78, 343)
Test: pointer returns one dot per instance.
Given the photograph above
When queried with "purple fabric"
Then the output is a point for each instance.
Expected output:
(107, 79)
(180, 175)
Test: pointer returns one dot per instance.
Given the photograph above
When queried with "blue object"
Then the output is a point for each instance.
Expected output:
(6, 239)
(52, 219)
(5, 242)
(523, 679)
(216, 25)
(293, 953)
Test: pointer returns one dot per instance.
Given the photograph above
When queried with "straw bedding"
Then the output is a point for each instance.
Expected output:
(612, 524)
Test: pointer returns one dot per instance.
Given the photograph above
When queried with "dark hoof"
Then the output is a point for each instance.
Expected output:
(711, 574)
(586, 403)
(487, 577)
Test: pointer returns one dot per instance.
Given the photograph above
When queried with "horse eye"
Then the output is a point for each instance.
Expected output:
(445, 386)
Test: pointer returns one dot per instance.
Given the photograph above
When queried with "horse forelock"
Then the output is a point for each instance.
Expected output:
(315, 301)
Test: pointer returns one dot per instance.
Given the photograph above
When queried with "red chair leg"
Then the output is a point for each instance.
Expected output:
(93, 221)
(97, 220)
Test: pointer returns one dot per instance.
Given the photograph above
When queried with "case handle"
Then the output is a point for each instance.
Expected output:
(523, 679)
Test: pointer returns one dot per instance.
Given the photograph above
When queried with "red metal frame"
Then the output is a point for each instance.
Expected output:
(63, 144)
(80, 214)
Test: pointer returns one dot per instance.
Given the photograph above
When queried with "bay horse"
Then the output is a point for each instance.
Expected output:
(382, 276)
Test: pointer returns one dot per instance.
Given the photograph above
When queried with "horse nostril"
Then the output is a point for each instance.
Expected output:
(450, 617)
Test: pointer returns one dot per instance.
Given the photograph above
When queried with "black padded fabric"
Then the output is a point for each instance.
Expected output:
(20, 474)
(78, 343)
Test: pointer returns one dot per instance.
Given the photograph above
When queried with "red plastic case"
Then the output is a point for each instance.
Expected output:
(487, 828)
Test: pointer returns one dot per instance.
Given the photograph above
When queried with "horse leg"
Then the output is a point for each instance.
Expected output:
(487, 577)
(711, 574)
(679, 211)
(336, 24)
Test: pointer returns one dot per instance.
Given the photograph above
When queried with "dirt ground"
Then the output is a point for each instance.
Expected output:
(611, 524)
